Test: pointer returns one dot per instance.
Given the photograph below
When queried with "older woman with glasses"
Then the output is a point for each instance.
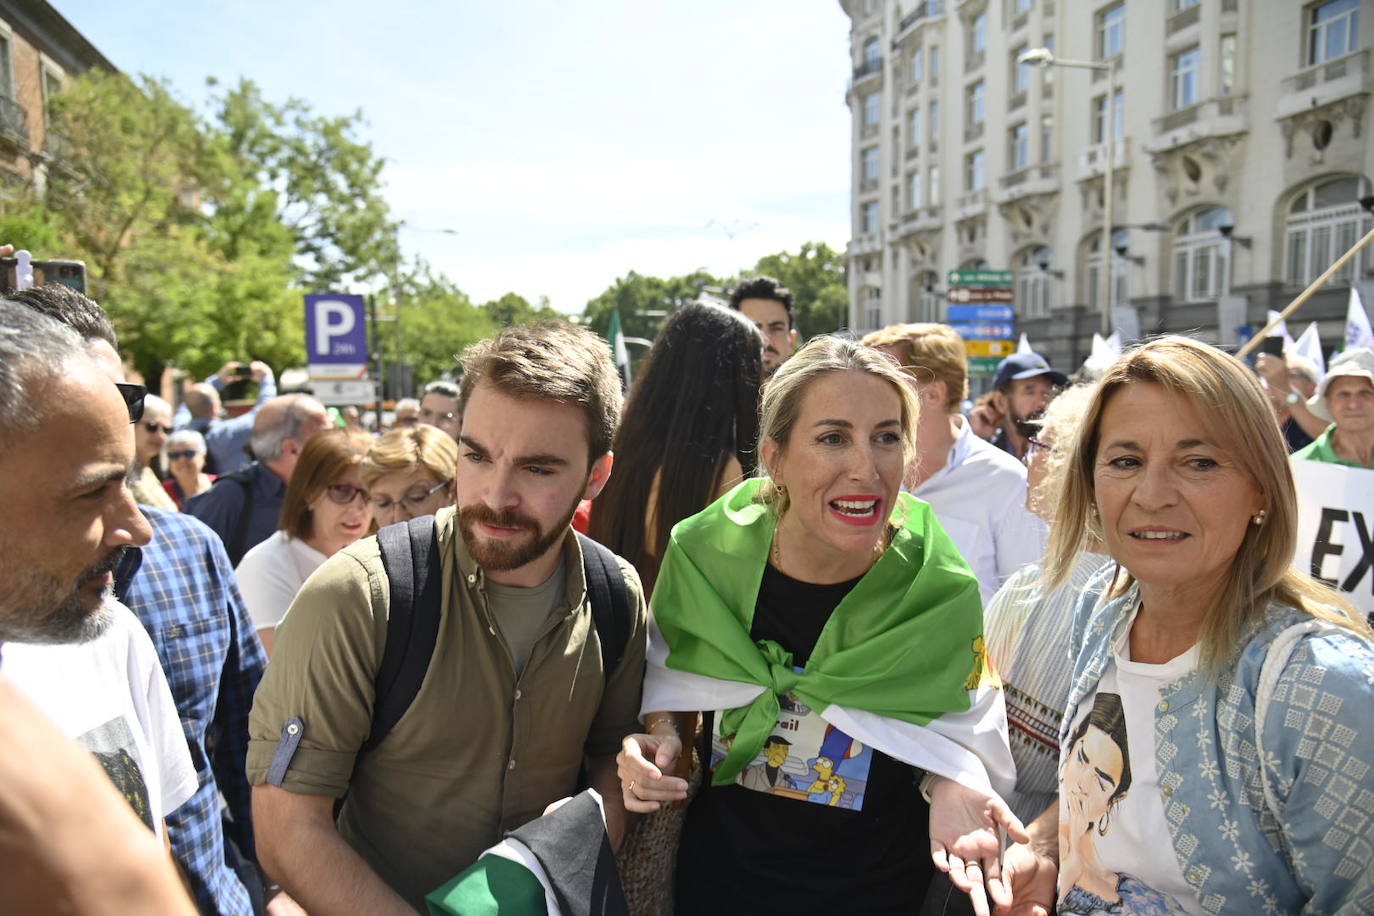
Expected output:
(150, 434)
(186, 460)
(409, 473)
(326, 508)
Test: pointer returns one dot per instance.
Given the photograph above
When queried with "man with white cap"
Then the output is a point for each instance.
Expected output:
(1346, 398)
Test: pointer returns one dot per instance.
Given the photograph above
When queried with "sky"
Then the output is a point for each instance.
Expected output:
(566, 143)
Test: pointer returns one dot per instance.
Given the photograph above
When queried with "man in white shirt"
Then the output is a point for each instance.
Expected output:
(977, 490)
(66, 449)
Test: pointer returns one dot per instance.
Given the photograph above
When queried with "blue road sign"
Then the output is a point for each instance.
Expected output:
(984, 330)
(335, 329)
(981, 313)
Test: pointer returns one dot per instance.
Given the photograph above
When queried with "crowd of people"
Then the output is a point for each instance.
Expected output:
(800, 628)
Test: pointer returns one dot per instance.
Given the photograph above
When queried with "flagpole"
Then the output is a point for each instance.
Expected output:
(1305, 295)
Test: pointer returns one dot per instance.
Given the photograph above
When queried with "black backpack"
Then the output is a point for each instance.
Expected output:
(410, 555)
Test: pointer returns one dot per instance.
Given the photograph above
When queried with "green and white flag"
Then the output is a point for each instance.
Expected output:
(900, 665)
(619, 352)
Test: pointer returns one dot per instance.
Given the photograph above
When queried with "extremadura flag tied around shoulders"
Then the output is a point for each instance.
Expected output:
(900, 664)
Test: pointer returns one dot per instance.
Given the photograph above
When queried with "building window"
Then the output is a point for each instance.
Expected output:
(1201, 255)
(869, 217)
(870, 164)
(934, 185)
(1180, 5)
(914, 128)
(872, 55)
(1118, 116)
(872, 107)
(1183, 78)
(1034, 283)
(1323, 222)
(1019, 148)
(1021, 6)
(977, 107)
(978, 35)
(1111, 31)
(1021, 71)
(6, 68)
(1092, 275)
(873, 307)
(934, 63)
(1226, 65)
(913, 191)
(1333, 30)
(929, 300)
(917, 66)
(1046, 138)
(974, 171)
(1047, 73)
(934, 122)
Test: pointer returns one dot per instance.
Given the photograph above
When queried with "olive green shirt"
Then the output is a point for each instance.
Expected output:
(480, 751)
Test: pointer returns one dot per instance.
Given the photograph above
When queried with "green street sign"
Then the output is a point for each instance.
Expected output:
(982, 278)
(983, 365)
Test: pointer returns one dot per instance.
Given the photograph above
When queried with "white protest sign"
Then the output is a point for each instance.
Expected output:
(1336, 528)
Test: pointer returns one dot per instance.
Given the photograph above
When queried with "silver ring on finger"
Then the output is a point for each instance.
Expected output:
(631, 789)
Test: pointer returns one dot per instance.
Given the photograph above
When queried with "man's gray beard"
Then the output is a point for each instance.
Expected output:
(71, 621)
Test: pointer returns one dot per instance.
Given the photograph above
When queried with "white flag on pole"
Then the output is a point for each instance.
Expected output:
(1309, 347)
(1357, 331)
(1024, 345)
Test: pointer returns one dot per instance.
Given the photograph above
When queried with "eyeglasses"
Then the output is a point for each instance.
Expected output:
(133, 399)
(410, 502)
(154, 427)
(1037, 446)
(344, 493)
(188, 453)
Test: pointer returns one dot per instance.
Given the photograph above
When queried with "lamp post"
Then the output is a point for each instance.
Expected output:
(396, 284)
(1044, 57)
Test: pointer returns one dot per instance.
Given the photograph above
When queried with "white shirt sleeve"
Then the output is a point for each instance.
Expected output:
(177, 779)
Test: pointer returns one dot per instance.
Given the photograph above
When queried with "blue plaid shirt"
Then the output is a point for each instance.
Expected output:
(182, 588)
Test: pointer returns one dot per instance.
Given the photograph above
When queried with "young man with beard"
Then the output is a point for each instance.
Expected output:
(1024, 385)
(66, 449)
(768, 304)
(514, 702)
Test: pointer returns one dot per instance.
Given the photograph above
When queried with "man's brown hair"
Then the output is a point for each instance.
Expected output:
(928, 352)
(551, 361)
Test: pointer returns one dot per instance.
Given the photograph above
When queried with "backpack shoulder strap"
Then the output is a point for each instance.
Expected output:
(410, 556)
(610, 601)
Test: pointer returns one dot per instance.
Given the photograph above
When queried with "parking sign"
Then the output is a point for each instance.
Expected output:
(336, 335)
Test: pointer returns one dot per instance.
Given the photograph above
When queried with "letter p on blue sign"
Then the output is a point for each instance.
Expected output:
(335, 331)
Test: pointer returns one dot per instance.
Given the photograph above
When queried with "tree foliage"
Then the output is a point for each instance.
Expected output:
(816, 276)
(434, 323)
(645, 302)
(513, 309)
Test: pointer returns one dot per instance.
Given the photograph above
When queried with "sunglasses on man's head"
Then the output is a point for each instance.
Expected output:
(133, 399)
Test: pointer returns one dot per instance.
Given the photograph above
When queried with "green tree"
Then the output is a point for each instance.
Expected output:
(645, 302)
(817, 278)
(434, 323)
(513, 309)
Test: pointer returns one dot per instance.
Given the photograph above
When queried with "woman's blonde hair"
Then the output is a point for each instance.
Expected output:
(1062, 421)
(782, 397)
(403, 449)
(1238, 413)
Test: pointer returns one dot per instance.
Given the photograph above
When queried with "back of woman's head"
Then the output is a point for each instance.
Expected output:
(694, 405)
(408, 448)
(327, 456)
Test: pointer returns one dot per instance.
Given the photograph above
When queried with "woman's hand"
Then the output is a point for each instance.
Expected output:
(966, 842)
(641, 764)
(1026, 886)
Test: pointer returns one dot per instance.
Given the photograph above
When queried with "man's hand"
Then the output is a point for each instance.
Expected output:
(642, 762)
(259, 369)
(229, 371)
(965, 838)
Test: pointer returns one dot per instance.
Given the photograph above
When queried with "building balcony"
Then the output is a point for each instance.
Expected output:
(920, 219)
(1016, 101)
(1219, 117)
(1179, 21)
(1027, 182)
(868, 185)
(867, 71)
(974, 60)
(973, 203)
(912, 152)
(1323, 84)
(923, 11)
(1093, 161)
(14, 124)
(1019, 22)
(868, 130)
(973, 131)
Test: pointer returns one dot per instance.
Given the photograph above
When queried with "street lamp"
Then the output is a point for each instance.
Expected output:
(396, 283)
(1044, 57)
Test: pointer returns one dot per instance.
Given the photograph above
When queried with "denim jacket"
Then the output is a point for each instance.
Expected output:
(1315, 854)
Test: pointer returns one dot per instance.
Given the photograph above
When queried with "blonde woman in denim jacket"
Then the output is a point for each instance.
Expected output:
(1247, 687)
